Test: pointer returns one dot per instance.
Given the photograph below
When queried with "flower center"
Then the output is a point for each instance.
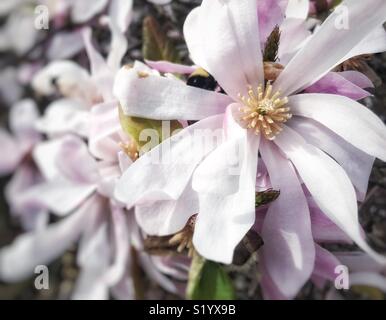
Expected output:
(264, 112)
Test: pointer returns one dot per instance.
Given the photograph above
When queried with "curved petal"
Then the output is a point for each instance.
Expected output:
(64, 116)
(375, 42)
(105, 132)
(334, 194)
(334, 83)
(93, 258)
(42, 246)
(288, 250)
(121, 238)
(270, 15)
(163, 172)
(167, 217)
(121, 11)
(223, 220)
(100, 71)
(325, 264)
(169, 67)
(323, 229)
(225, 30)
(347, 118)
(337, 36)
(355, 162)
(155, 97)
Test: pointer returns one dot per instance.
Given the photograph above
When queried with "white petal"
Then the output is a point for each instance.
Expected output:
(288, 250)
(225, 31)
(334, 193)
(42, 246)
(167, 217)
(163, 172)
(165, 99)
(355, 162)
(64, 116)
(347, 118)
(120, 11)
(223, 220)
(93, 258)
(298, 9)
(375, 42)
(337, 36)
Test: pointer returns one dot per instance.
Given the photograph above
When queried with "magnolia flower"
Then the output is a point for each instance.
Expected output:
(78, 183)
(317, 142)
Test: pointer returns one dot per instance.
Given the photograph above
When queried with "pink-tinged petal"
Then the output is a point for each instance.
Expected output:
(288, 250)
(167, 217)
(25, 177)
(224, 219)
(359, 262)
(118, 45)
(193, 37)
(59, 195)
(355, 162)
(269, 289)
(357, 78)
(347, 118)
(11, 153)
(324, 230)
(223, 32)
(162, 98)
(42, 246)
(65, 45)
(163, 172)
(294, 33)
(270, 15)
(121, 238)
(100, 71)
(169, 67)
(176, 267)
(80, 166)
(375, 42)
(298, 9)
(94, 255)
(83, 10)
(325, 264)
(105, 132)
(120, 11)
(334, 83)
(154, 274)
(64, 116)
(332, 48)
(334, 194)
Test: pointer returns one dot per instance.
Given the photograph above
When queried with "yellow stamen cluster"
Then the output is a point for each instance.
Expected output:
(264, 112)
(130, 148)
